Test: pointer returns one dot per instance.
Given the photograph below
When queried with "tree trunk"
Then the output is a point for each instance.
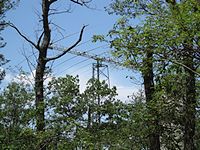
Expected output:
(189, 105)
(154, 138)
(89, 117)
(39, 95)
(41, 63)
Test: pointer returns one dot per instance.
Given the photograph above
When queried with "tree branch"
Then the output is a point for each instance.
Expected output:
(68, 49)
(59, 12)
(39, 40)
(181, 64)
(29, 63)
(22, 35)
(52, 1)
(81, 2)
(77, 2)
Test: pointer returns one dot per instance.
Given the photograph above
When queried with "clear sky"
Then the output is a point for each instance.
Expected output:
(27, 18)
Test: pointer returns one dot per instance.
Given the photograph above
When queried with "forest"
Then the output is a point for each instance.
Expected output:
(163, 47)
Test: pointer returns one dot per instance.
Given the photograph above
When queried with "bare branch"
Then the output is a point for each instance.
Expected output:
(68, 49)
(52, 1)
(29, 64)
(39, 40)
(60, 12)
(81, 2)
(34, 54)
(22, 35)
(58, 27)
(77, 2)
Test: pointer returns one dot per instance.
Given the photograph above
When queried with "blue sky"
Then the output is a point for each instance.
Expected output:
(26, 18)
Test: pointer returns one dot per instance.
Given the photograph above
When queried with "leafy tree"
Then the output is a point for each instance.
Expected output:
(164, 45)
(65, 111)
(16, 116)
(100, 102)
(133, 51)
(4, 7)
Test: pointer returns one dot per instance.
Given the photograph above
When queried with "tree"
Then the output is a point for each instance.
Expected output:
(169, 34)
(185, 49)
(66, 110)
(42, 45)
(129, 47)
(100, 101)
(4, 7)
(16, 116)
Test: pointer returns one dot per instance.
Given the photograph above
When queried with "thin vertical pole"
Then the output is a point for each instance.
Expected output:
(98, 89)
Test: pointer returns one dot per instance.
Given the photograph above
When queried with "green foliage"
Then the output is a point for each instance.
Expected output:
(96, 38)
(164, 29)
(65, 108)
(65, 101)
(3, 61)
(16, 113)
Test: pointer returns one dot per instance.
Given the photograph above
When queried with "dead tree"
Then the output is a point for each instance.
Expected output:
(42, 45)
